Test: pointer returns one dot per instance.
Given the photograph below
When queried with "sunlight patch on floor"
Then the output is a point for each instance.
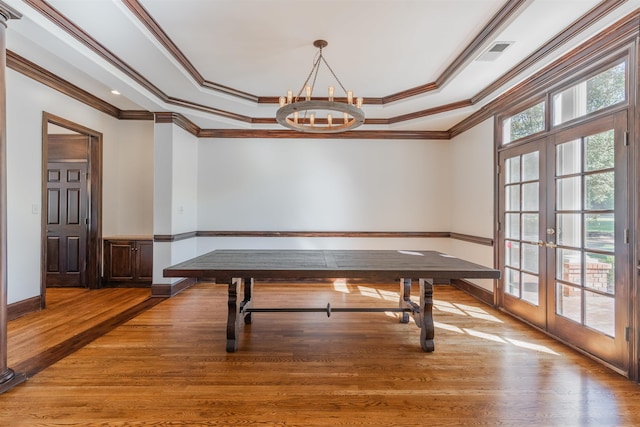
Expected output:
(379, 293)
(448, 327)
(483, 335)
(369, 292)
(495, 338)
(531, 346)
(340, 285)
(464, 310)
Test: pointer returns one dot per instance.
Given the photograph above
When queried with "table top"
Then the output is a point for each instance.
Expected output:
(363, 264)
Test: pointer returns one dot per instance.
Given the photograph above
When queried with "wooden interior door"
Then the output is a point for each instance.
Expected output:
(66, 224)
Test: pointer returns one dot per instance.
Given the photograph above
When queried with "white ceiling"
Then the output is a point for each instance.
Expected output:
(264, 47)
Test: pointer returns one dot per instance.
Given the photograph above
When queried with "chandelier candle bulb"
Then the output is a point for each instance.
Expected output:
(329, 119)
(346, 117)
(282, 101)
(331, 91)
(308, 91)
(312, 119)
(349, 97)
(359, 102)
(295, 117)
(289, 96)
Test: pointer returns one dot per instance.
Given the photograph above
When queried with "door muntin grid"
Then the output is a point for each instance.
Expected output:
(522, 227)
(585, 237)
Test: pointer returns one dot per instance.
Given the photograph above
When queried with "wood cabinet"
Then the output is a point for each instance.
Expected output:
(128, 262)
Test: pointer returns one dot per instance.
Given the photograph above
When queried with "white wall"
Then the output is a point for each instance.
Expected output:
(207, 244)
(128, 179)
(185, 181)
(127, 208)
(252, 185)
(323, 185)
(471, 174)
(175, 198)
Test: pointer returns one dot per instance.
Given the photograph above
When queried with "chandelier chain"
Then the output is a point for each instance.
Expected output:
(314, 67)
(330, 69)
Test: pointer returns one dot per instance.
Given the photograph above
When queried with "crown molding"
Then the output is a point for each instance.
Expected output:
(39, 74)
(497, 22)
(586, 20)
(161, 36)
(8, 12)
(504, 15)
(135, 115)
(622, 31)
(290, 134)
(506, 12)
(178, 120)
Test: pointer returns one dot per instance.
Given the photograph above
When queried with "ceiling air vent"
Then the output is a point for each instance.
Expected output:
(494, 51)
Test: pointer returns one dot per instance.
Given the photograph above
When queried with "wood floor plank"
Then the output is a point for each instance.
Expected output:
(70, 313)
(168, 366)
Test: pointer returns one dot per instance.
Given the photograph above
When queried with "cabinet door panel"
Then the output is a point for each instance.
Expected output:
(121, 265)
(145, 260)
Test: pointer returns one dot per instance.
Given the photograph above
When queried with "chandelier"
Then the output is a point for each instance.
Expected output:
(319, 115)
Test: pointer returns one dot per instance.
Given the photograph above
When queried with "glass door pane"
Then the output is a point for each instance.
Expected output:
(521, 231)
(585, 259)
(587, 253)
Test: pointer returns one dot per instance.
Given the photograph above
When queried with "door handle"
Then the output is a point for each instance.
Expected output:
(551, 245)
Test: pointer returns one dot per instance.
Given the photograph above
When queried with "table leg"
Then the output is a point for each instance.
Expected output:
(246, 302)
(405, 295)
(427, 330)
(233, 318)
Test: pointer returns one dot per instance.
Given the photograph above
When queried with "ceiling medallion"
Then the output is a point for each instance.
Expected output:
(304, 115)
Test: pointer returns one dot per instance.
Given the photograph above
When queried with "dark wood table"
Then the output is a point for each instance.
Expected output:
(237, 267)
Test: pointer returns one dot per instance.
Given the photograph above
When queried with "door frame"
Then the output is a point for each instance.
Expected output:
(94, 193)
(535, 315)
(616, 349)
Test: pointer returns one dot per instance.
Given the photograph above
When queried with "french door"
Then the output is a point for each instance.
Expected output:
(563, 236)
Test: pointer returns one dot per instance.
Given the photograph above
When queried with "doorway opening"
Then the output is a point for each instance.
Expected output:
(71, 205)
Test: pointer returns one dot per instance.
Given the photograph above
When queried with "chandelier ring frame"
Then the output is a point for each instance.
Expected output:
(356, 116)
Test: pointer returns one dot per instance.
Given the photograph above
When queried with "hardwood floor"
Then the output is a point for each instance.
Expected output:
(168, 367)
(73, 318)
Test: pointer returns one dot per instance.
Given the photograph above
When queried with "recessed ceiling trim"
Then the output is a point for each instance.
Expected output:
(352, 134)
(8, 12)
(431, 111)
(623, 33)
(156, 31)
(600, 10)
(39, 74)
(79, 34)
(498, 21)
(586, 20)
